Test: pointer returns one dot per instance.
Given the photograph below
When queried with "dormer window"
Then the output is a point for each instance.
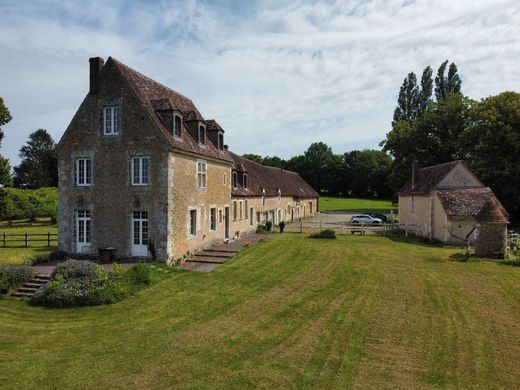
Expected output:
(235, 177)
(221, 141)
(202, 135)
(244, 179)
(177, 123)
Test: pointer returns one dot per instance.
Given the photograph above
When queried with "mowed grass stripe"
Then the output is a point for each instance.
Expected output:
(361, 312)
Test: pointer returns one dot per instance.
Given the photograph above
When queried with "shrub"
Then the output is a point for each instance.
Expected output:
(260, 229)
(75, 269)
(325, 233)
(512, 262)
(281, 225)
(268, 226)
(139, 274)
(13, 276)
(28, 204)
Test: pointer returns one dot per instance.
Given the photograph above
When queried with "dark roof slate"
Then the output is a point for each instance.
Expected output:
(479, 203)
(426, 179)
(271, 179)
(155, 96)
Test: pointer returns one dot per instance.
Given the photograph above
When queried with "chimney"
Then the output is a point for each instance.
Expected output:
(96, 63)
(415, 168)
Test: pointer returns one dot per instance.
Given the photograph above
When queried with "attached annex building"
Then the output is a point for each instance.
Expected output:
(140, 170)
(448, 203)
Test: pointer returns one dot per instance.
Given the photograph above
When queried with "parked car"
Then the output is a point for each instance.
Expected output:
(382, 217)
(365, 219)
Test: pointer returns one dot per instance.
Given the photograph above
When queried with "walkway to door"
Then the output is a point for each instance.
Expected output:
(209, 259)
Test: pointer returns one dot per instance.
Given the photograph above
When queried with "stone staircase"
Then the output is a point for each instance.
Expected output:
(29, 288)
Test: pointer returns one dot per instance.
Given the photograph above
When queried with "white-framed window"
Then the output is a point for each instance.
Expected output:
(140, 171)
(140, 221)
(246, 209)
(251, 216)
(234, 209)
(213, 219)
(177, 123)
(244, 179)
(83, 172)
(111, 120)
(240, 210)
(193, 222)
(83, 226)
(201, 174)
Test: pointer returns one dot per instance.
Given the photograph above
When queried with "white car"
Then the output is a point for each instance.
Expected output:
(365, 219)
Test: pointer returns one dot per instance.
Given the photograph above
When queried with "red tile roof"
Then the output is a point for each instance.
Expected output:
(155, 96)
(479, 203)
(271, 179)
(426, 179)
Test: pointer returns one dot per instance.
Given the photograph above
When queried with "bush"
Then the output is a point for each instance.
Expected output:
(28, 204)
(139, 274)
(13, 276)
(76, 269)
(325, 233)
(281, 225)
(268, 226)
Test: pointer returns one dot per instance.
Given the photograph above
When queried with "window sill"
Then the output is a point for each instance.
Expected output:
(83, 185)
(111, 134)
(139, 185)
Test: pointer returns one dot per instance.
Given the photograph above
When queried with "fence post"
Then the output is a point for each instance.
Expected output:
(48, 239)
(26, 240)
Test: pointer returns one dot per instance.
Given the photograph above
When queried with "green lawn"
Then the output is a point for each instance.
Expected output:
(15, 252)
(328, 203)
(357, 312)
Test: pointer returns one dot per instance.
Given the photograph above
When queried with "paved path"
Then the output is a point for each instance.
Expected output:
(209, 259)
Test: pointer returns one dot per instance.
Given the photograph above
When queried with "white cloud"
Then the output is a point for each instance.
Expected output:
(276, 75)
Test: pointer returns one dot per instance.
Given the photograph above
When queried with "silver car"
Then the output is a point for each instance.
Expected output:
(365, 219)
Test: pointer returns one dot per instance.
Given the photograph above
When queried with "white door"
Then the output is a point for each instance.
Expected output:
(83, 231)
(140, 233)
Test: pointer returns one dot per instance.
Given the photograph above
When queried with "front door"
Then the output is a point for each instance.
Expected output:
(140, 233)
(83, 231)
(226, 222)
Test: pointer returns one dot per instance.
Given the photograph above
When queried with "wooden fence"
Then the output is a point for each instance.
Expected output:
(341, 227)
(25, 238)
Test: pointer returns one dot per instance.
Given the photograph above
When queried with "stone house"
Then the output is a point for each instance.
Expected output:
(446, 202)
(140, 170)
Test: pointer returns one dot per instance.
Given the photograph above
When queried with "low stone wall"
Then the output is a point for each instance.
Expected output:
(491, 240)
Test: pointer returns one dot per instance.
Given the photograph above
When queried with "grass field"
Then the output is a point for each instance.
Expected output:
(327, 203)
(15, 252)
(356, 312)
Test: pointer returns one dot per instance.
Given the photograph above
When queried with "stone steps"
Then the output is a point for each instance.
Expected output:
(28, 289)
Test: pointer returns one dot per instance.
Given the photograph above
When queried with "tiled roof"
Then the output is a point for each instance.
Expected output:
(427, 178)
(479, 203)
(271, 179)
(155, 96)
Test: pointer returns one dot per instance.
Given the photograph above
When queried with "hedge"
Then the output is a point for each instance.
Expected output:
(16, 203)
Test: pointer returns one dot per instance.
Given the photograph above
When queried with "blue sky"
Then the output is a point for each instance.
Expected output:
(276, 75)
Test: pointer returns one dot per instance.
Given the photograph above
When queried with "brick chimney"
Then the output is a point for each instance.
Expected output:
(415, 168)
(96, 63)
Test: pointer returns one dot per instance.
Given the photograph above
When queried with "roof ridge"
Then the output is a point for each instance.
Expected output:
(442, 164)
(263, 165)
(116, 61)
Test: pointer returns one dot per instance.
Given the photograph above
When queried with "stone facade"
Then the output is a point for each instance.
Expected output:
(184, 174)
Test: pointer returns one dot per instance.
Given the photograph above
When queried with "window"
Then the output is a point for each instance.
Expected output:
(221, 141)
(246, 208)
(202, 135)
(140, 166)
(201, 174)
(111, 120)
(83, 226)
(263, 196)
(235, 209)
(310, 207)
(193, 222)
(220, 216)
(413, 204)
(177, 126)
(245, 180)
(251, 216)
(83, 172)
(213, 219)
(234, 179)
(240, 208)
(225, 179)
(140, 219)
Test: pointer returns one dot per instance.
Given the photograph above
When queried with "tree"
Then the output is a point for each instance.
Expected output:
(274, 162)
(425, 93)
(406, 109)
(5, 117)
(253, 157)
(444, 85)
(6, 179)
(491, 146)
(366, 173)
(39, 166)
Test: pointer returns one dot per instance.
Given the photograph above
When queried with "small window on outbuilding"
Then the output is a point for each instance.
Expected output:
(177, 123)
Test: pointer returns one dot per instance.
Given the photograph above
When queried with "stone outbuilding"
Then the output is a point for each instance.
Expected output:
(446, 202)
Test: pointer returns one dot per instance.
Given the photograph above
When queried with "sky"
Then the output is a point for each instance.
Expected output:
(276, 75)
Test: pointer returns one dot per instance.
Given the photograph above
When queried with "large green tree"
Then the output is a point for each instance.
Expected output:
(6, 180)
(491, 146)
(444, 85)
(39, 166)
(366, 173)
(406, 109)
(425, 93)
(5, 117)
